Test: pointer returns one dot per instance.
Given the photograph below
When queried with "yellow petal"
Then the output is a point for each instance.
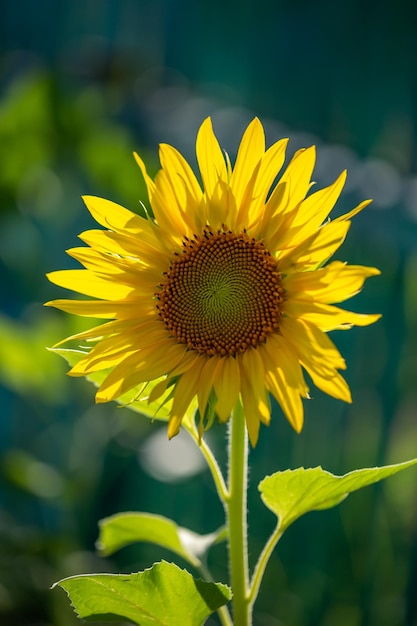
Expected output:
(312, 212)
(148, 180)
(98, 332)
(334, 283)
(287, 397)
(125, 245)
(87, 365)
(180, 174)
(276, 223)
(297, 176)
(86, 282)
(115, 217)
(186, 388)
(166, 204)
(319, 356)
(226, 386)
(204, 390)
(221, 208)
(253, 392)
(250, 152)
(158, 390)
(326, 316)
(253, 422)
(174, 425)
(316, 250)
(100, 262)
(270, 165)
(210, 158)
(334, 386)
(125, 270)
(101, 309)
(353, 212)
(115, 349)
(246, 202)
(87, 308)
(312, 346)
(316, 207)
(284, 380)
(140, 367)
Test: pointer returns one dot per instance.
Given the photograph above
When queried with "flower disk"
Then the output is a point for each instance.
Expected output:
(225, 294)
(222, 295)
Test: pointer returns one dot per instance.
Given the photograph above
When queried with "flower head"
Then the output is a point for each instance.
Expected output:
(226, 292)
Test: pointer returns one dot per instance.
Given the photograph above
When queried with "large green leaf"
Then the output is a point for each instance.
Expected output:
(293, 493)
(123, 529)
(163, 595)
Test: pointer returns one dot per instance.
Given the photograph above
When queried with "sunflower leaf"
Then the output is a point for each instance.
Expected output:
(292, 493)
(123, 529)
(164, 595)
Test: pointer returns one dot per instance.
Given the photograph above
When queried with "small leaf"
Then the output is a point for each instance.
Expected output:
(199, 544)
(292, 493)
(163, 595)
(123, 529)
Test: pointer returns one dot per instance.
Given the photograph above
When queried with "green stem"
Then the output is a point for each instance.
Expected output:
(223, 611)
(224, 616)
(211, 462)
(236, 517)
(262, 563)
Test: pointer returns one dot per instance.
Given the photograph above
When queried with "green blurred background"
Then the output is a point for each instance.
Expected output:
(83, 84)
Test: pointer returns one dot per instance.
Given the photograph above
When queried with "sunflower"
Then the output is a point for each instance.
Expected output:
(224, 293)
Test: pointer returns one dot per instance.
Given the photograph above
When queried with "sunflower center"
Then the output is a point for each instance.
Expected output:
(222, 294)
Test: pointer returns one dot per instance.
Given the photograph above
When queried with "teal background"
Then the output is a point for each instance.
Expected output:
(83, 84)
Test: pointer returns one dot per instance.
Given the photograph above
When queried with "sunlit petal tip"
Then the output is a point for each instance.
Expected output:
(374, 317)
(354, 212)
(206, 127)
(140, 162)
(310, 151)
(75, 374)
(297, 422)
(298, 428)
(148, 180)
(253, 426)
(373, 271)
(174, 426)
(255, 126)
(52, 277)
(93, 203)
(102, 398)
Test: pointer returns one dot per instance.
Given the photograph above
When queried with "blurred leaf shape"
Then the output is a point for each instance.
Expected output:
(292, 493)
(36, 477)
(25, 114)
(25, 364)
(59, 136)
(123, 529)
(164, 595)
